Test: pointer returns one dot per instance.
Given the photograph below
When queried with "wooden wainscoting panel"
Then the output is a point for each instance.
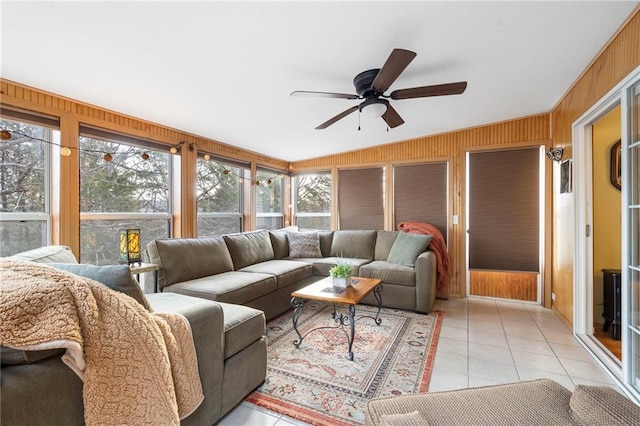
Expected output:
(504, 284)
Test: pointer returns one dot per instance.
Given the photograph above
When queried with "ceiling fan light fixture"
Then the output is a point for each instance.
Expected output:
(374, 107)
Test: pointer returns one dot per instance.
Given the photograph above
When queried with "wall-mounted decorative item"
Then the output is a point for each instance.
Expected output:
(555, 154)
(565, 176)
(616, 165)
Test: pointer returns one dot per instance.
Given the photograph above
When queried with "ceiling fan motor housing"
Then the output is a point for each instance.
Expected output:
(364, 83)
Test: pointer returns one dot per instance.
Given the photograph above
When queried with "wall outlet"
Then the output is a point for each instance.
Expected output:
(553, 297)
(455, 219)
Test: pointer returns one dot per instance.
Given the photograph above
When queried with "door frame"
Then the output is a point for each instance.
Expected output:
(543, 289)
(583, 249)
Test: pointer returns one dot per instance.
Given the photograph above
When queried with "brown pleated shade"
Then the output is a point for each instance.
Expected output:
(361, 198)
(504, 210)
(420, 194)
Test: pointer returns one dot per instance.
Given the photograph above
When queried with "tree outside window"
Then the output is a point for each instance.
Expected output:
(24, 191)
(312, 195)
(269, 205)
(219, 198)
(127, 192)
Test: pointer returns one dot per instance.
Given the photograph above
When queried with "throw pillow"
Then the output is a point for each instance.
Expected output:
(602, 405)
(404, 419)
(47, 254)
(116, 277)
(304, 244)
(407, 247)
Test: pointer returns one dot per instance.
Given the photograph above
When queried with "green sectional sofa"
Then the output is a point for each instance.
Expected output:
(256, 268)
(230, 343)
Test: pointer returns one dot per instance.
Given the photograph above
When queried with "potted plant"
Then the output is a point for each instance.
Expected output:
(341, 274)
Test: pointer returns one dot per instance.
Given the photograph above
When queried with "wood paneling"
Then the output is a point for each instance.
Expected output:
(619, 58)
(443, 145)
(505, 285)
(449, 147)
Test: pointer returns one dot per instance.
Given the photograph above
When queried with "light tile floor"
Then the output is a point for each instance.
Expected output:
(485, 342)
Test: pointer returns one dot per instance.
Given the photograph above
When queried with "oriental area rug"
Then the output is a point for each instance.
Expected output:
(318, 384)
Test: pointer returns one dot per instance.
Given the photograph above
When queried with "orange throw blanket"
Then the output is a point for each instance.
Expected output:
(138, 368)
(438, 246)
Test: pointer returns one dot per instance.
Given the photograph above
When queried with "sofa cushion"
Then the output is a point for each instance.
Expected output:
(279, 241)
(10, 356)
(326, 239)
(184, 259)
(304, 244)
(248, 248)
(384, 242)
(286, 272)
(47, 254)
(242, 326)
(407, 247)
(230, 287)
(389, 273)
(322, 266)
(602, 405)
(353, 244)
(116, 277)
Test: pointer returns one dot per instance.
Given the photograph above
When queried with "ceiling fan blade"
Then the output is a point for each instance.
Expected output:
(392, 117)
(426, 91)
(396, 63)
(324, 95)
(340, 116)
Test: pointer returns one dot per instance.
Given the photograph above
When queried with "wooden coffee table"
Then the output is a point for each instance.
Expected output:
(324, 291)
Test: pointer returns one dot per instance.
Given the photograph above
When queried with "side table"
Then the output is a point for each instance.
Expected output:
(141, 268)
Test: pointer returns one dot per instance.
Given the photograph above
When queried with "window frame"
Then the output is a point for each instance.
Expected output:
(244, 167)
(51, 138)
(280, 175)
(294, 197)
(124, 139)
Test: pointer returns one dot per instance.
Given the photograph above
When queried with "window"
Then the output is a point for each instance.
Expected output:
(312, 195)
(24, 182)
(131, 190)
(269, 205)
(420, 194)
(219, 197)
(361, 198)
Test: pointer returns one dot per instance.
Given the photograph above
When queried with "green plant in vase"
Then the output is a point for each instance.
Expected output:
(341, 274)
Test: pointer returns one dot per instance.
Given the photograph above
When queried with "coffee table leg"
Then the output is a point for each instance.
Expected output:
(297, 304)
(378, 295)
(352, 326)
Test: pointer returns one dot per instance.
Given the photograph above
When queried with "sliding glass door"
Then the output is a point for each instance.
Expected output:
(629, 161)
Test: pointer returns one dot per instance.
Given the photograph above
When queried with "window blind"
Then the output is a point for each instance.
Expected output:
(30, 117)
(504, 210)
(361, 198)
(420, 194)
(110, 136)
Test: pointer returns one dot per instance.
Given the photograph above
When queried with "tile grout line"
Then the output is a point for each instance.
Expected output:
(515, 365)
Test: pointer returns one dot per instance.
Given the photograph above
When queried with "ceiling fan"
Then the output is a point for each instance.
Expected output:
(371, 85)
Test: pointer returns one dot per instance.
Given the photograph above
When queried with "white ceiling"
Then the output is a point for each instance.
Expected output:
(224, 70)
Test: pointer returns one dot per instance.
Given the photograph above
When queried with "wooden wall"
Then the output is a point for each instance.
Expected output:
(620, 57)
(451, 147)
(72, 113)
